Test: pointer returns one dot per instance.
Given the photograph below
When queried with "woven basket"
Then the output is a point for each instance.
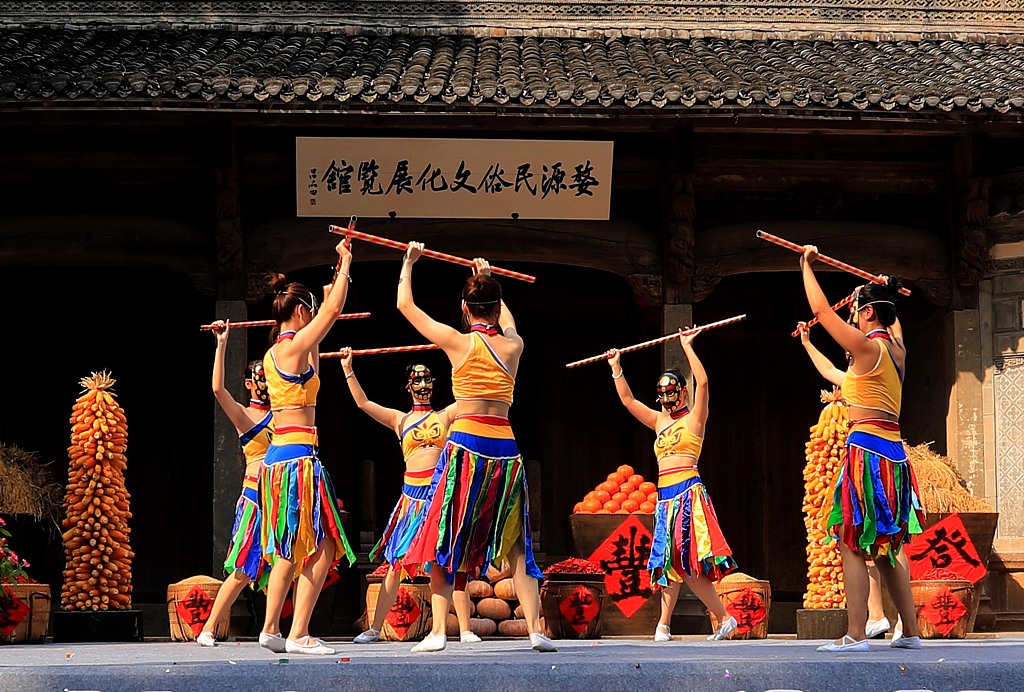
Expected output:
(33, 628)
(732, 589)
(180, 630)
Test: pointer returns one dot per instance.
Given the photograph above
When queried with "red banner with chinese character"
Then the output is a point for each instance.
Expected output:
(12, 611)
(404, 613)
(194, 609)
(623, 557)
(748, 609)
(944, 611)
(945, 545)
(579, 608)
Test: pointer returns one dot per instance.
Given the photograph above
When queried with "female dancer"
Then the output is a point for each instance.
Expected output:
(478, 511)
(877, 624)
(688, 545)
(421, 432)
(302, 531)
(255, 425)
(875, 508)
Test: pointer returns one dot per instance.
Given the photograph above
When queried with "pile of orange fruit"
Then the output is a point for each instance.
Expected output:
(625, 492)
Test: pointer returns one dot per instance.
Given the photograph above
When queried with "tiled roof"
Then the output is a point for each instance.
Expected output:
(196, 66)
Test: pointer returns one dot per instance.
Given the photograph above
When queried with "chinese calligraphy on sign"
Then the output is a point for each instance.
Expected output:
(452, 178)
(946, 545)
(194, 609)
(623, 557)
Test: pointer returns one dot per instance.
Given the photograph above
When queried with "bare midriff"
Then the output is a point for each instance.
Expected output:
(481, 407)
(253, 467)
(295, 416)
(423, 459)
(676, 462)
(859, 413)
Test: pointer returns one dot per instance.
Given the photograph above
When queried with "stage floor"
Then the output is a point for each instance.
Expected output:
(983, 662)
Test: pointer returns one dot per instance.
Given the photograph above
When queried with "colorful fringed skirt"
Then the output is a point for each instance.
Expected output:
(300, 508)
(406, 518)
(687, 538)
(245, 551)
(479, 505)
(876, 506)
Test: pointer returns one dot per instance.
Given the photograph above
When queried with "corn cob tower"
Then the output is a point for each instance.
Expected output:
(98, 568)
(824, 453)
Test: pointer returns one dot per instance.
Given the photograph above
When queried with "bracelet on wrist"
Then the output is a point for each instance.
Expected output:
(615, 377)
(349, 374)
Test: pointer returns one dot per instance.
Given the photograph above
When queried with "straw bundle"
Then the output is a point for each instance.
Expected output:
(942, 488)
(26, 485)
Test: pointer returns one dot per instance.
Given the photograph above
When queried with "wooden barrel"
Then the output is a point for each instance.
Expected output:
(188, 606)
(408, 618)
(943, 607)
(33, 627)
(573, 606)
(748, 600)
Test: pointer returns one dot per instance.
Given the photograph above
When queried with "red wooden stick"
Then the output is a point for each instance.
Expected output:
(351, 232)
(873, 278)
(845, 301)
(375, 351)
(659, 340)
(268, 323)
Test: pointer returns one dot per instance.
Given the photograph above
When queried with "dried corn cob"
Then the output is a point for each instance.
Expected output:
(824, 453)
(98, 557)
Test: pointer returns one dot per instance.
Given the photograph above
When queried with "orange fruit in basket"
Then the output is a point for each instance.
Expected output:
(611, 487)
(647, 507)
(653, 497)
(615, 478)
(638, 496)
(625, 471)
(631, 505)
(627, 488)
(591, 505)
(602, 511)
(619, 497)
(611, 506)
(620, 511)
(602, 495)
(647, 488)
(636, 479)
(578, 508)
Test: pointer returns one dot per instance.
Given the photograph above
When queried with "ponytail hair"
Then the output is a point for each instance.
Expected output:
(882, 298)
(287, 297)
(482, 294)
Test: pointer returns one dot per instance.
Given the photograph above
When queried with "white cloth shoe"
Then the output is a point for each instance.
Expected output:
(206, 639)
(369, 636)
(897, 632)
(430, 644)
(847, 643)
(725, 628)
(308, 645)
(877, 628)
(272, 642)
(469, 637)
(662, 633)
(538, 642)
(906, 643)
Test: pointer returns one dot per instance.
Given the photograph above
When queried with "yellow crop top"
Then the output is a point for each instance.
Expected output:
(676, 439)
(481, 374)
(256, 439)
(880, 389)
(425, 433)
(288, 391)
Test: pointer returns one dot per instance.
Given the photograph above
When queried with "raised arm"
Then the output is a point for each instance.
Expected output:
(450, 340)
(698, 417)
(385, 416)
(824, 366)
(896, 332)
(234, 410)
(846, 335)
(642, 413)
(334, 301)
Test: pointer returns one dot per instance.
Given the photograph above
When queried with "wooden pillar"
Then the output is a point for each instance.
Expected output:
(965, 429)
(677, 310)
(228, 463)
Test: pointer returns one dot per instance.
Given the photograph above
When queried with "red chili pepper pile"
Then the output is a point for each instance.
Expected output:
(940, 574)
(574, 565)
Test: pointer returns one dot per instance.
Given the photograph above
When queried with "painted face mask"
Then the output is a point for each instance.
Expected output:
(421, 384)
(259, 384)
(670, 392)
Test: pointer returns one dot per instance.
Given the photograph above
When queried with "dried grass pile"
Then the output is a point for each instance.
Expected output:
(26, 485)
(942, 488)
